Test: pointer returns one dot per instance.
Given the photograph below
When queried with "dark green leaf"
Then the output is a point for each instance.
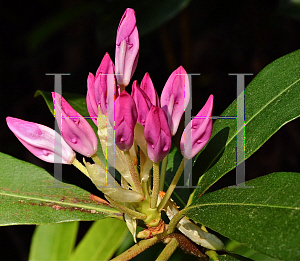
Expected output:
(77, 101)
(230, 257)
(240, 249)
(290, 8)
(265, 218)
(28, 195)
(271, 100)
(101, 241)
(53, 242)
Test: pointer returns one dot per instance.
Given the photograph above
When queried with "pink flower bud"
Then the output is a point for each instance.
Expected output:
(175, 97)
(157, 134)
(127, 48)
(43, 142)
(142, 102)
(76, 131)
(148, 87)
(197, 133)
(91, 103)
(102, 89)
(125, 120)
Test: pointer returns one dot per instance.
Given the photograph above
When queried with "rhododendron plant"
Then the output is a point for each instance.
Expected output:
(136, 168)
(159, 123)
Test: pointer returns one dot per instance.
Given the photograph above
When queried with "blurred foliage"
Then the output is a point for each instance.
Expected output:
(290, 8)
(106, 15)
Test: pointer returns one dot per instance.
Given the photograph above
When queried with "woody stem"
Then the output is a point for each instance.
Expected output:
(168, 250)
(137, 249)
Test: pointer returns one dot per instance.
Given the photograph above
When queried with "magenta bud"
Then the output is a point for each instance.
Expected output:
(127, 48)
(125, 120)
(90, 98)
(157, 134)
(102, 89)
(148, 87)
(175, 97)
(142, 102)
(43, 142)
(197, 133)
(76, 131)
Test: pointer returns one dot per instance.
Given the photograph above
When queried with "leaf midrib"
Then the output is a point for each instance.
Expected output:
(242, 205)
(61, 203)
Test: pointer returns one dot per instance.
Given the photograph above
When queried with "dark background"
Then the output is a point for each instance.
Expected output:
(211, 37)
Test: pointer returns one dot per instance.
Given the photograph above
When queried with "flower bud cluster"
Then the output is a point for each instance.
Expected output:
(132, 128)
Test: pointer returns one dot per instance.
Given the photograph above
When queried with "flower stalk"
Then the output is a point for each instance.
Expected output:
(134, 173)
(175, 220)
(128, 211)
(172, 186)
(97, 160)
(155, 189)
(79, 166)
(163, 173)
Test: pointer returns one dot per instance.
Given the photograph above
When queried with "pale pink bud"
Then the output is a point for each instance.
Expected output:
(102, 89)
(127, 48)
(197, 133)
(76, 131)
(175, 97)
(43, 142)
(148, 87)
(142, 102)
(125, 120)
(157, 134)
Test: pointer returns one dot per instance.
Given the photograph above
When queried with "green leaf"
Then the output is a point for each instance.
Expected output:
(77, 101)
(230, 257)
(101, 241)
(127, 242)
(271, 100)
(29, 195)
(240, 249)
(53, 242)
(265, 218)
